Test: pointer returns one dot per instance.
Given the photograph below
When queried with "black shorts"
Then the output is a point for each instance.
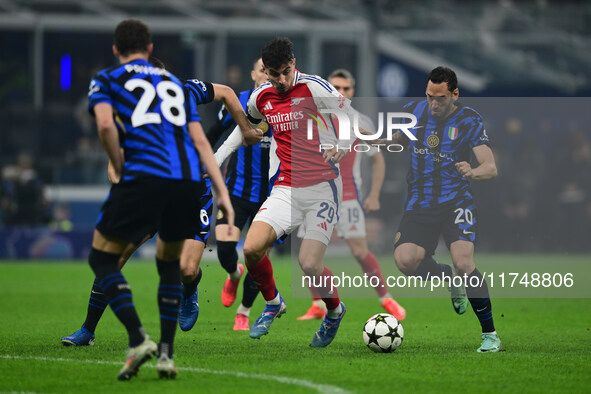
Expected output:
(455, 220)
(206, 209)
(145, 206)
(244, 212)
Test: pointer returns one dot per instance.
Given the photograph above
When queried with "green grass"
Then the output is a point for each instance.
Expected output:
(547, 342)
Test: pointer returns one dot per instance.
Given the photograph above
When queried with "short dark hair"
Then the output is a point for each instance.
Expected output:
(132, 36)
(342, 73)
(256, 60)
(444, 74)
(156, 62)
(277, 52)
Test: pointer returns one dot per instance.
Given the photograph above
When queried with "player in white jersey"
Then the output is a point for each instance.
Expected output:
(351, 225)
(308, 188)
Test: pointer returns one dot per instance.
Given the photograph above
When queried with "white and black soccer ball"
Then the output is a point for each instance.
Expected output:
(383, 333)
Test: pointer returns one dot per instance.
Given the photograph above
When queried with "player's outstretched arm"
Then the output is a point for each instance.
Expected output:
(372, 202)
(401, 139)
(487, 169)
(213, 170)
(109, 136)
(251, 135)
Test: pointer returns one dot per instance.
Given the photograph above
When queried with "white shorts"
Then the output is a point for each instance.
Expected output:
(351, 220)
(316, 207)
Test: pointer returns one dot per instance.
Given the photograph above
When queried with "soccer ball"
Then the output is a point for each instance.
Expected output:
(383, 333)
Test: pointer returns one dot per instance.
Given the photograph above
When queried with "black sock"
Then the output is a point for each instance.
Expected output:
(117, 291)
(96, 306)
(228, 256)
(429, 268)
(249, 292)
(189, 288)
(169, 302)
(480, 300)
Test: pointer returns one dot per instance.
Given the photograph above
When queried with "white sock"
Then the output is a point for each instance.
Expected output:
(274, 301)
(385, 297)
(319, 303)
(492, 333)
(243, 310)
(236, 274)
(334, 313)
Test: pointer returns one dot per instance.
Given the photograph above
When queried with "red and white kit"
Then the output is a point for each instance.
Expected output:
(307, 190)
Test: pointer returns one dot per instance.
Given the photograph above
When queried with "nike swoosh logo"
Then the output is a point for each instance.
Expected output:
(468, 232)
(480, 310)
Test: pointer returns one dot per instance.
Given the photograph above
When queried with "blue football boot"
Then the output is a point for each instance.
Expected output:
(262, 325)
(82, 337)
(189, 312)
(328, 330)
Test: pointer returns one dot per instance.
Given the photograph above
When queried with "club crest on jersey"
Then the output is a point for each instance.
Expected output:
(296, 100)
(452, 133)
(433, 141)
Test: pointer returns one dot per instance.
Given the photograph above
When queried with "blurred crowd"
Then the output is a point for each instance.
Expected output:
(22, 194)
(543, 195)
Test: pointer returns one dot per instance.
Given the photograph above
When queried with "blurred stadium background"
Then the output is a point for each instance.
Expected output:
(54, 169)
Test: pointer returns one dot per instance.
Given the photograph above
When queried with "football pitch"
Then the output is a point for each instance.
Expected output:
(547, 342)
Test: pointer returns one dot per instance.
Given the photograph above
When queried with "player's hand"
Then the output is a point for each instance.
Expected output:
(114, 176)
(225, 205)
(371, 204)
(333, 155)
(252, 136)
(464, 168)
(377, 141)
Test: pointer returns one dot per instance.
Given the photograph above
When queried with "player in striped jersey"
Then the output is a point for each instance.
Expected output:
(351, 224)
(200, 92)
(197, 92)
(439, 199)
(247, 181)
(155, 144)
(142, 109)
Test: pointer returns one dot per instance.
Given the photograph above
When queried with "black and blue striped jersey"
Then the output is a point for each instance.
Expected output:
(248, 169)
(432, 177)
(224, 116)
(198, 92)
(151, 115)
